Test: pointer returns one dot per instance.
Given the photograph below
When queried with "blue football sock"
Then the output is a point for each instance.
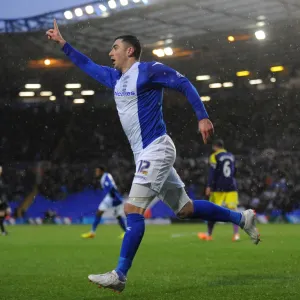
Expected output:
(121, 222)
(211, 212)
(96, 223)
(132, 239)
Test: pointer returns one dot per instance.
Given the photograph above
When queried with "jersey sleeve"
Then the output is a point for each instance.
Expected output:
(105, 75)
(213, 161)
(159, 74)
(107, 185)
(212, 168)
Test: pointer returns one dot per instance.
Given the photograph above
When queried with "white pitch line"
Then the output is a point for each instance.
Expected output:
(183, 234)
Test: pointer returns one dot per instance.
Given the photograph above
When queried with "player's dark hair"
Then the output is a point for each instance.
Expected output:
(101, 167)
(219, 143)
(132, 41)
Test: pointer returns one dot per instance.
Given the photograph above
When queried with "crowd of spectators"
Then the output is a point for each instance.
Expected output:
(58, 149)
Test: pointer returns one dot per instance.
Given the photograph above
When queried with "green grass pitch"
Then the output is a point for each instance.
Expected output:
(52, 262)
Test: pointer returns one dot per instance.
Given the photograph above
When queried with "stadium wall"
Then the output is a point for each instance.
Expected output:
(80, 208)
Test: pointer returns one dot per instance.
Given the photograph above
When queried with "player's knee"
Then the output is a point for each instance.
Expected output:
(186, 211)
(132, 209)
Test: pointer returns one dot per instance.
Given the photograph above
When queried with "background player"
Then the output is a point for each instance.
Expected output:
(138, 92)
(4, 207)
(111, 198)
(221, 188)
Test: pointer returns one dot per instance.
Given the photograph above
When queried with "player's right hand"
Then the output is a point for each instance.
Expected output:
(55, 35)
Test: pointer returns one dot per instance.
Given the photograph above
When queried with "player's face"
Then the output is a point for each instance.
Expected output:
(98, 172)
(120, 53)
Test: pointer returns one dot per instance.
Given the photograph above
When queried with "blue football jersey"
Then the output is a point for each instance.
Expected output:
(109, 187)
(138, 94)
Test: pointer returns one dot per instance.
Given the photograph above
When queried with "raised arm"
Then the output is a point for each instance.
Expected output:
(105, 75)
(169, 78)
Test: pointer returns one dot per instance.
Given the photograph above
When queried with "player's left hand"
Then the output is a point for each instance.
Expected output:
(206, 129)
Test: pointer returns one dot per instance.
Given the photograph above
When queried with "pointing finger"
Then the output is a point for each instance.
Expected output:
(55, 24)
(204, 137)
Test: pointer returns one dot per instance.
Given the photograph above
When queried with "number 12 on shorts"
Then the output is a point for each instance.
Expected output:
(143, 167)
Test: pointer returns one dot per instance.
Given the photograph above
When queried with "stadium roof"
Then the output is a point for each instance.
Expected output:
(20, 9)
(198, 30)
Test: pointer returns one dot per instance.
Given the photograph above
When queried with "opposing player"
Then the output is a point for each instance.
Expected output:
(111, 198)
(138, 90)
(4, 207)
(222, 187)
(4, 212)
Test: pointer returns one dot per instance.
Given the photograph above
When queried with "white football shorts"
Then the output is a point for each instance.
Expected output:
(154, 165)
(107, 203)
(154, 169)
